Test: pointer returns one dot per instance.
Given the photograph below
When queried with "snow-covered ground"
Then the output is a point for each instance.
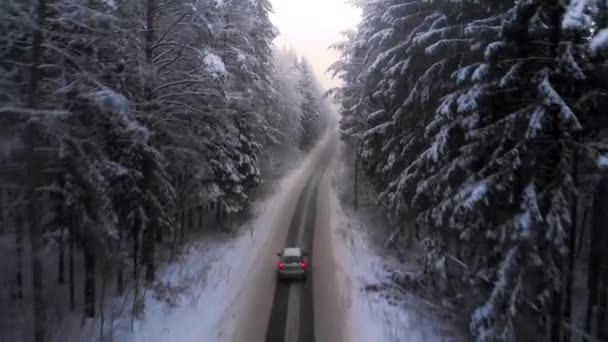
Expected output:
(379, 310)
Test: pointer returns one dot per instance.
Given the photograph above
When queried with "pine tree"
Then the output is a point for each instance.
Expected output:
(469, 116)
(119, 111)
(309, 107)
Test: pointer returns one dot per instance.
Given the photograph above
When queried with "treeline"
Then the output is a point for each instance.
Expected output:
(122, 123)
(303, 104)
(483, 126)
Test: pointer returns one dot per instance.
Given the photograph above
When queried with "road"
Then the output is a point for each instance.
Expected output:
(300, 311)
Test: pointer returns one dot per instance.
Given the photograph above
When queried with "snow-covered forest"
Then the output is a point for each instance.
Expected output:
(482, 124)
(125, 126)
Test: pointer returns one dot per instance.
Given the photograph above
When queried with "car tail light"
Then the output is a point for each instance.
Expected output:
(281, 265)
(303, 265)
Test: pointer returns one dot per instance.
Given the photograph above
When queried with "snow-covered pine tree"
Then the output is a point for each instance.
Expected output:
(127, 98)
(468, 116)
(289, 99)
(309, 107)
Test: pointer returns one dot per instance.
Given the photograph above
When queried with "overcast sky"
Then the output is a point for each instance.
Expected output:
(310, 26)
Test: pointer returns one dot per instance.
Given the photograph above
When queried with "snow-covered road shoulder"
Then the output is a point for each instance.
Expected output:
(194, 292)
(378, 309)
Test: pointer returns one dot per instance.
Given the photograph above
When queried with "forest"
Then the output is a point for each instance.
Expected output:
(482, 124)
(125, 128)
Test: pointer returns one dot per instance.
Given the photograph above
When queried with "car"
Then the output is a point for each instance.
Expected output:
(292, 264)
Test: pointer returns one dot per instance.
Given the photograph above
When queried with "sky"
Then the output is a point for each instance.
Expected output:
(310, 26)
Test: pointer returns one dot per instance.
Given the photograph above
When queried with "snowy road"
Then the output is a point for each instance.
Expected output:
(275, 311)
(291, 317)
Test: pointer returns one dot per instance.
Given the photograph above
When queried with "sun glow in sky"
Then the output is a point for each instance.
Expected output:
(310, 26)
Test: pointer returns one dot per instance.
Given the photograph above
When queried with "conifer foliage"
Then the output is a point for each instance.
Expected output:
(122, 125)
(473, 119)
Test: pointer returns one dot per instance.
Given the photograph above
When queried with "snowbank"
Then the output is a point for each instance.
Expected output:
(379, 311)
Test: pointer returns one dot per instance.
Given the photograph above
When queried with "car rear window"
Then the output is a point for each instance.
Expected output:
(291, 259)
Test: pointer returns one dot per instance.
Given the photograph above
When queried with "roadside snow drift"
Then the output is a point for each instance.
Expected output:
(374, 313)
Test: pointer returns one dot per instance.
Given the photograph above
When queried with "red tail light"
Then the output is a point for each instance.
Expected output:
(303, 265)
(281, 265)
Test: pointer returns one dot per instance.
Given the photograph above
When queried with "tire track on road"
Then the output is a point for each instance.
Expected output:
(302, 226)
(278, 315)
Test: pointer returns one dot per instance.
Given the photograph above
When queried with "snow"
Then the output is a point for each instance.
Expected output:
(535, 125)
(575, 16)
(468, 102)
(552, 97)
(493, 49)
(512, 75)
(214, 65)
(210, 284)
(446, 45)
(481, 73)
(600, 41)
(570, 66)
(211, 274)
(7, 146)
(602, 161)
(115, 169)
(475, 193)
(110, 3)
(376, 315)
(109, 100)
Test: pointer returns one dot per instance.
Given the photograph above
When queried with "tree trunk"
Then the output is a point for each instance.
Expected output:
(598, 219)
(19, 218)
(582, 231)
(72, 232)
(4, 209)
(135, 246)
(356, 182)
(102, 299)
(36, 249)
(191, 220)
(149, 244)
(602, 330)
(182, 232)
(218, 213)
(120, 286)
(61, 265)
(89, 284)
(556, 12)
(569, 271)
(148, 252)
(201, 213)
(158, 235)
(34, 175)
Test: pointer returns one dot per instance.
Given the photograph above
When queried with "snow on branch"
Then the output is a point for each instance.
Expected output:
(551, 97)
(493, 320)
(214, 65)
(576, 17)
(599, 43)
(448, 46)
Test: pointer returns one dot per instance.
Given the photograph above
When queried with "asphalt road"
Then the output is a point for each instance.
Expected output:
(299, 311)
(291, 316)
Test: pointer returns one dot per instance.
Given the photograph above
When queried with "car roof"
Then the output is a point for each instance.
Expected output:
(292, 251)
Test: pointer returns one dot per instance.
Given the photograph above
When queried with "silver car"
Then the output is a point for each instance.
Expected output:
(292, 264)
